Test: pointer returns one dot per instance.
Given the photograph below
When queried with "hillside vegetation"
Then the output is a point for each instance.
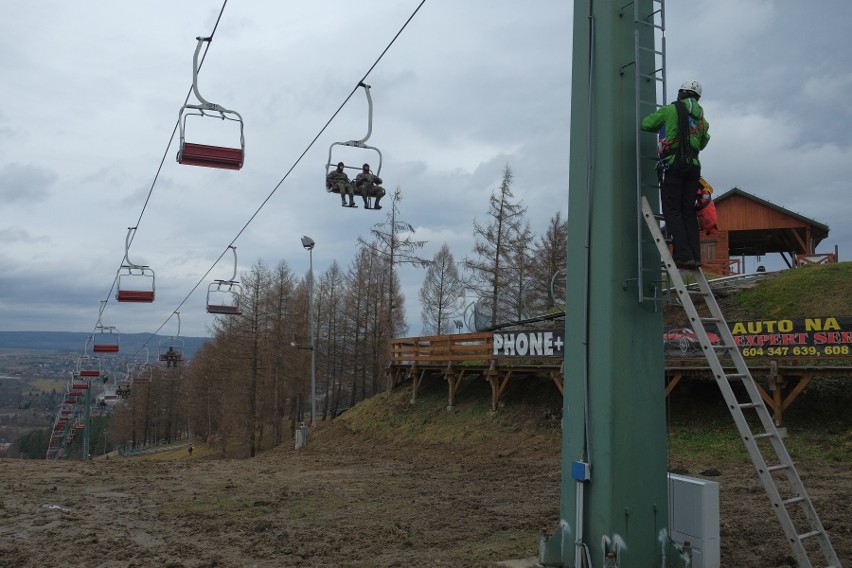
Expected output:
(808, 291)
(699, 422)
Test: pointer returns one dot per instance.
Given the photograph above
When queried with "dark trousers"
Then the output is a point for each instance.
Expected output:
(677, 193)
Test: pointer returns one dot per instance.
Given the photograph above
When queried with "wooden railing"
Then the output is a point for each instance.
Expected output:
(442, 348)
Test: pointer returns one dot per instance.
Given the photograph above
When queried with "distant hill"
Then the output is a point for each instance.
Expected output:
(71, 341)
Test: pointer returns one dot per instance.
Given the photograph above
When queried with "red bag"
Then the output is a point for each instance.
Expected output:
(705, 209)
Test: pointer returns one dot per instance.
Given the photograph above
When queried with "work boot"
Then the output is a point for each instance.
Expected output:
(352, 203)
(376, 205)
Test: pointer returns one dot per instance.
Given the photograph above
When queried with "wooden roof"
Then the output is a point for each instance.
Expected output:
(757, 227)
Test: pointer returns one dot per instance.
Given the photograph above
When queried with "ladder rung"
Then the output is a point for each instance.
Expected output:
(779, 467)
(750, 404)
(736, 376)
(710, 320)
(765, 435)
(810, 534)
(793, 500)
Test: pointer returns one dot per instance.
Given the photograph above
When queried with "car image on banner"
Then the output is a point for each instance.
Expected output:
(683, 342)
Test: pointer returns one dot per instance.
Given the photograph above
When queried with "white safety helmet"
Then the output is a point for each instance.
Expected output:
(693, 86)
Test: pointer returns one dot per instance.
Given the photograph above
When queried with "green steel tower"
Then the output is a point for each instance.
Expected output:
(613, 510)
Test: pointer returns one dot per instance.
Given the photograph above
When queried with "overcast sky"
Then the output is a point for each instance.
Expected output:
(90, 93)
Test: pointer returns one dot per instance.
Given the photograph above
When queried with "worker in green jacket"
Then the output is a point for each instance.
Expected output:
(682, 132)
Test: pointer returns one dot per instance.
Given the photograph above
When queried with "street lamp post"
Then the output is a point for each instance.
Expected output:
(309, 243)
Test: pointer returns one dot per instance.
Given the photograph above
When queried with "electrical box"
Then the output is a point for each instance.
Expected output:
(694, 510)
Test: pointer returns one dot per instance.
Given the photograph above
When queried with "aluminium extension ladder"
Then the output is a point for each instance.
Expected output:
(776, 471)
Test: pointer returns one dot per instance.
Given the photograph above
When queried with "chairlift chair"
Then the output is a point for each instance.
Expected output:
(143, 373)
(332, 162)
(87, 367)
(192, 154)
(176, 344)
(106, 338)
(170, 349)
(223, 296)
(138, 284)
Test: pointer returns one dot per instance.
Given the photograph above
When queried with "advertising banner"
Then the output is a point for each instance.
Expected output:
(825, 336)
(529, 343)
(816, 337)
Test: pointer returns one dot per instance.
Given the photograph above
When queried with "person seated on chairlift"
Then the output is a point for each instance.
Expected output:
(368, 184)
(338, 182)
(171, 357)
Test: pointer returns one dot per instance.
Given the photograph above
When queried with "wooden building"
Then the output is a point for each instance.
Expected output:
(751, 226)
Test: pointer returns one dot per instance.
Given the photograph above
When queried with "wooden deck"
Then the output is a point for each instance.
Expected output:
(456, 357)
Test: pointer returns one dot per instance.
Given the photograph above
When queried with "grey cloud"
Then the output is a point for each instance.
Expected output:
(21, 182)
(15, 235)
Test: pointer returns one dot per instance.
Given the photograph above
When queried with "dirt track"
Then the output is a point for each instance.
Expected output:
(345, 501)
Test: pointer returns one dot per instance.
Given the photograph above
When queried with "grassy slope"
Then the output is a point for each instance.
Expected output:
(808, 291)
(699, 423)
(700, 427)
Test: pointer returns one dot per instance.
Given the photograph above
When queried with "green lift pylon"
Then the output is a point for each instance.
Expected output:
(614, 506)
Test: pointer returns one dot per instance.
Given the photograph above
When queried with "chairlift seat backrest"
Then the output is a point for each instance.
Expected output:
(211, 156)
(135, 296)
(220, 309)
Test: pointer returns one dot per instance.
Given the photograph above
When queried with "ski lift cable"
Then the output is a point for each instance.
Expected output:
(323, 129)
(290, 170)
(287, 173)
(160, 167)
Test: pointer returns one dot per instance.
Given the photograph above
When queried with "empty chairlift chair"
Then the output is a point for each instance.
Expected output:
(87, 368)
(192, 154)
(136, 283)
(106, 338)
(140, 373)
(223, 296)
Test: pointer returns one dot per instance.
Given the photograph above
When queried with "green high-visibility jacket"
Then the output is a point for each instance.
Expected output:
(663, 121)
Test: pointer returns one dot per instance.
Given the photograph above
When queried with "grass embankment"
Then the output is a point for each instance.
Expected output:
(699, 426)
(810, 291)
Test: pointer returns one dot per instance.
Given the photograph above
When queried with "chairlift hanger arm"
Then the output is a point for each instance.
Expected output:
(369, 113)
(131, 232)
(234, 250)
(205, 104)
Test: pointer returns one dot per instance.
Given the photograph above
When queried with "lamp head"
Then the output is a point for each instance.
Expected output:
(308, 242)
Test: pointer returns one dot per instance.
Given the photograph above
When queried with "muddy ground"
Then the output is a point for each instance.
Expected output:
(347, 500)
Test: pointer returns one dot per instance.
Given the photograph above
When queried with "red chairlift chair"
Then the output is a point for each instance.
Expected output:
(106, 338)
(191, 154)
(138, 284)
